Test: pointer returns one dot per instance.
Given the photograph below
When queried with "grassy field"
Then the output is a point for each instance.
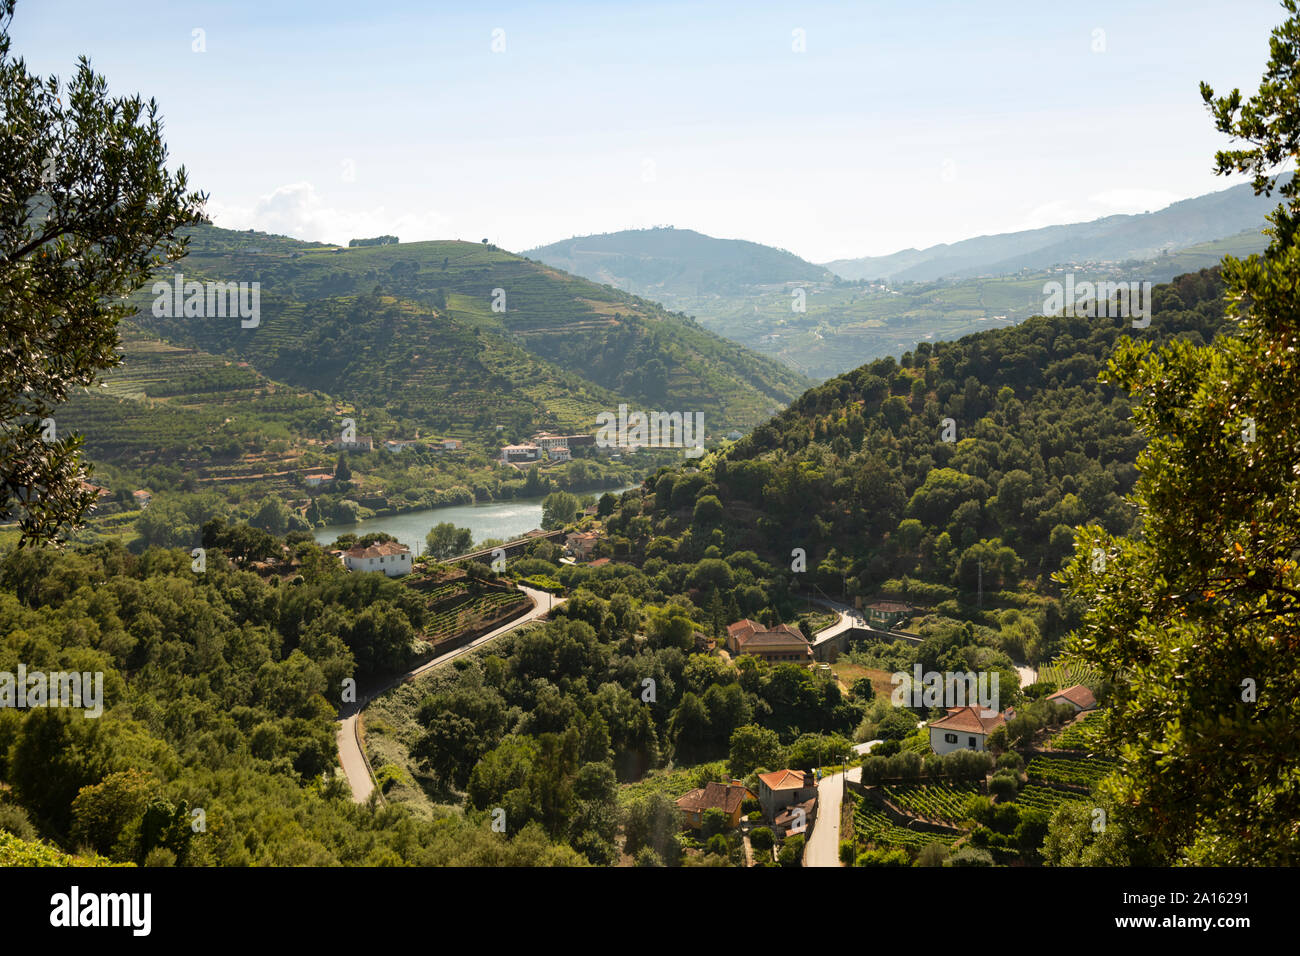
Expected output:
(846, 673)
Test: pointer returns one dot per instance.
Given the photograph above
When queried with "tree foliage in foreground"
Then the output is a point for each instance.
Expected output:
(1198, 621)
(87, 210)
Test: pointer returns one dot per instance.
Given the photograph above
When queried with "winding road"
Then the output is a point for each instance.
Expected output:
(351, 757)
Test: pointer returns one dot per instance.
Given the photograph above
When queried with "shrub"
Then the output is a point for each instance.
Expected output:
(762, 838)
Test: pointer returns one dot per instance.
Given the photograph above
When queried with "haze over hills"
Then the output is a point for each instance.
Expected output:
(1139, 236)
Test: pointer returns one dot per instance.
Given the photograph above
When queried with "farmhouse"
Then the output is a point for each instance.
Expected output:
(581, 543)
(774, 645)
(387, 556)
(1078, 696)
(887, 613)
(964, 728)
(357, 443)
(783, 790)
(396, 445)
(316, 479)
(727, 797)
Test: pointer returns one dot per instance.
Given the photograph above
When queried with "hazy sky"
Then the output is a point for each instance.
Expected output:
(900, 123)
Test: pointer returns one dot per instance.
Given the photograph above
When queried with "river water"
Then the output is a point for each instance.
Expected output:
(494, 519)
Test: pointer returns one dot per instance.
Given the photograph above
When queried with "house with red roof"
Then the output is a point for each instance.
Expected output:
(964, 728)
(779, 644)
(391, 558)
(727, 797)
(783, 790)
(1078, 696)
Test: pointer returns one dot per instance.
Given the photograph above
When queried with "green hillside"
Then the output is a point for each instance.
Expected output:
(666, 263)
(603, 344)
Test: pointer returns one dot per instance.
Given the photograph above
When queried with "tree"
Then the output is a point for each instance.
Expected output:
(87, 211)
(753, 746)
(558, 509)
(445, 540)
(342, 472)
(1197, 622)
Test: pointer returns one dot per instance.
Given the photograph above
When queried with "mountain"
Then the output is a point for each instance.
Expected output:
(666, 264)
(1114, 238)
(455, 334)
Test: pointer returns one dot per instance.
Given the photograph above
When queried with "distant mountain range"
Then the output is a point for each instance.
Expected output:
(1112, 239)
(825, 319)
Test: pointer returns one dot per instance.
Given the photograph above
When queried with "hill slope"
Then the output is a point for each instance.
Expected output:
(456, 313)
(666, 264)
(1114, 238)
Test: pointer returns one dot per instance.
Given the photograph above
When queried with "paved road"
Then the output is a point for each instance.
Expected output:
(350, 756)
(823, 847)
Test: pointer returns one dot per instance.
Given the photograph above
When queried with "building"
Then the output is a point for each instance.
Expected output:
(782, 790)
(581, 544)
(1078, 696)
(964, 728)
(358, 443)
(453, 444)
(316, 479)
(727, 797)
(142, 498)
(559, 453)
(510, 454)
(794, 819)
(547, 441)
(780, 644)
(887, 613)
(387, 556)
(396, 445)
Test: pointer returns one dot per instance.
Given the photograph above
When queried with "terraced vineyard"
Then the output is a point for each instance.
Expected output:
(1045, 798)
(943, 802)
(1085, 735)
(872, 825)
(1069, 771)
(455, 617)
(1067, 675)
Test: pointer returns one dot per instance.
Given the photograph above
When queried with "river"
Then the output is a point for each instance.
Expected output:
(493, 519)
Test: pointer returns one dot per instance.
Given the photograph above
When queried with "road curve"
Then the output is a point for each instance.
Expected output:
(351, 757)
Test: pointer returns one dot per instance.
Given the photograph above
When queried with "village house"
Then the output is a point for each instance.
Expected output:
(782, 643)
(358, 443)
(510, 454)
(453, 444)
(396, 445)
(581, 544)
(316, 479)
(727, 797)
(783, 790)
(391, 558)
(1079, 697)
(964, 728)
(886, 614)
(142, 498)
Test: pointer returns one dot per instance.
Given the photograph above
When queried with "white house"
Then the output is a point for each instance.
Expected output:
(316, 479)
(558, 453)
(525, 452)
(395, 445)
(453, 444)
(388, 556)
(965, 728)
(1078, 697)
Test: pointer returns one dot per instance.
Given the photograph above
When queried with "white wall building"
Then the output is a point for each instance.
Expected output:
(965, 728)
(387, 556)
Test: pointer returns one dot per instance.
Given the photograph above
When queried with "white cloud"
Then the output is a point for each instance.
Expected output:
(297, 210)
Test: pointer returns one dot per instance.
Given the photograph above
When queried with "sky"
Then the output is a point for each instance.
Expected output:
(833, 130)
